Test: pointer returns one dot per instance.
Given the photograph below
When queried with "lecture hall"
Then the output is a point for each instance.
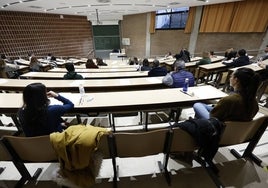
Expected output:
(138, 93)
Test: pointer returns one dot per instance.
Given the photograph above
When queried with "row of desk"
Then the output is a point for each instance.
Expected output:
(122, 101)
(95, 85)
(88, 75)
(84, 70)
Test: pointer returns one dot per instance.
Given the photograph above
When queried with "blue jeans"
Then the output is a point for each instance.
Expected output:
(202, 110)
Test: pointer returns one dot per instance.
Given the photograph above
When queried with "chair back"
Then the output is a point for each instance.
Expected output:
(237, 132)
(103, 146)
(31, 149)
(140, 144)
(182, 141)
(4, 156)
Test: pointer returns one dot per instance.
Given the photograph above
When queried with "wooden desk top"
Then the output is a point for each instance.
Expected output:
(119, 66)
(83, 70)
(212, 66)
(96, 85)
(124, 100)
(253, 66)
(51, 75)
(27, 63)
(193, 61)
(17, 67)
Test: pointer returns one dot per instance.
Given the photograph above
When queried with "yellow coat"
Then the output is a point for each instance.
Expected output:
(75, 148)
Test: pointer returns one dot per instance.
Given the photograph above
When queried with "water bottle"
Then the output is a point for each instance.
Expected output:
(186, 84)
(81, 90)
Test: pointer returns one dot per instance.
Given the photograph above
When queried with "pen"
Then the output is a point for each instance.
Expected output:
(186, 93)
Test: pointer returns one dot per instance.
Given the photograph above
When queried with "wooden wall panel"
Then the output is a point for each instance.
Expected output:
(22, 33)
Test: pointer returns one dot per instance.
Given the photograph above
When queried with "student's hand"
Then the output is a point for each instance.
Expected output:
(52, 94)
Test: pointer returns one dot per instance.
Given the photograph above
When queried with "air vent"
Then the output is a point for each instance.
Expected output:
(14, 3)
(122, 4)
(104, 1)
(58, 8)
(100, 5)
(28, 0)
(35, 7)
(174, 3)
(144, 5)
(205, 1)
(79, 6)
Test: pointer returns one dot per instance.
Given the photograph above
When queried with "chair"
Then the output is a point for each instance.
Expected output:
(112, 117)
(28, 149)
(181, 142)
(242, 132)
(3, 157)
(138, 145)
(261, 90)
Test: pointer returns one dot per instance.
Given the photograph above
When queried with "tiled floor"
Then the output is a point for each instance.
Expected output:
(233, 173)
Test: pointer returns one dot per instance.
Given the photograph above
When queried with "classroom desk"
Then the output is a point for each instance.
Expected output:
(210, 69)
(51, 75)
(96, 85)
(19, 68)
(84, 70)
(123, 101)
(253, 66)
(115, 66)
(190, 66)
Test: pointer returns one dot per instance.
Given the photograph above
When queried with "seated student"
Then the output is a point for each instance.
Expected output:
(241, 105)
(49, 56)
(183, 55)
(34, 64)
(205, 59)
(169, 55)
(133, 61)
(230, 54)
(177, 77)
(91, 65)
(264, 56)
(2, 69)
(157, 70)
(263, 75)
(145, 65)
(7, 60)
(71, 74)
(37, 116)
(241, 60)
(100, 62)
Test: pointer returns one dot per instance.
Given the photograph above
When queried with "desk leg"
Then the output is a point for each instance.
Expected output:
(146, 121)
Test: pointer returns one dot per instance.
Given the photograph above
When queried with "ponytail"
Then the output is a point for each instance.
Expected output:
(249, 82)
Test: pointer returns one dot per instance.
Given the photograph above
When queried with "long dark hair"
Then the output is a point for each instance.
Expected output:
(35, 105)
(249, 82)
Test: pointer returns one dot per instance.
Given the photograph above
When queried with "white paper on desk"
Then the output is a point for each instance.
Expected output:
(77, 82)
(32, 73)
(75, 98)
(124, 82)
(152, 80)
(228, 61)
(3, 81)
